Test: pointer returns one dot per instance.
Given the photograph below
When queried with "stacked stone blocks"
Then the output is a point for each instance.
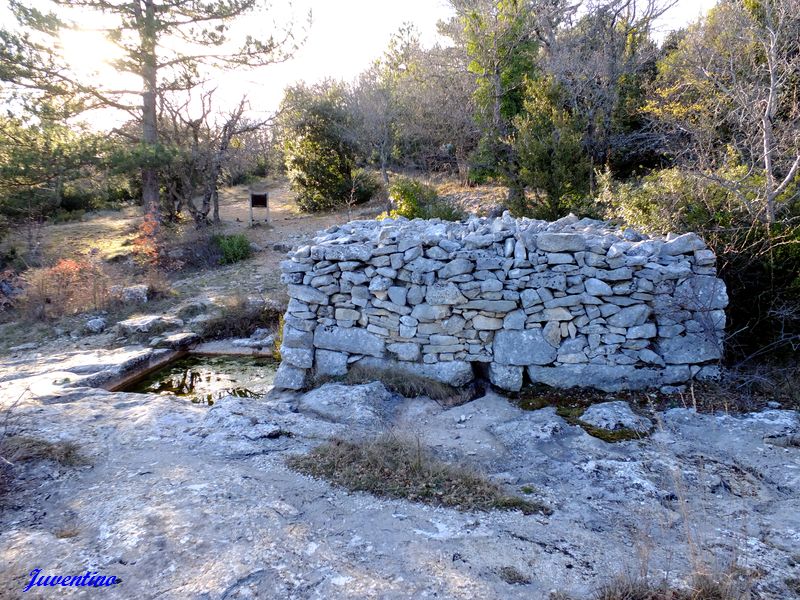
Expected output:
(575, 302)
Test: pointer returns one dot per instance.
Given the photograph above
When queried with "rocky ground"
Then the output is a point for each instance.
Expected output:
(185, 501)
(108, 236)
(182, 501)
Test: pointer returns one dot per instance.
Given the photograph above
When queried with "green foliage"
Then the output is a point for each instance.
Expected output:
(38, 161)
(672, 200)
(606, 68)
(500, 42)
(416, 200)
(727, 93)
(410, 195)
(365, 186)
(550, 147)
(318, 148)
(244, 178)
(759, 262)
(77, 197)
(233, 247)
(61, 215)
(125, 159)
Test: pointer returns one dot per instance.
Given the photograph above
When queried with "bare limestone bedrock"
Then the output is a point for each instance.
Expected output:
(575, 302)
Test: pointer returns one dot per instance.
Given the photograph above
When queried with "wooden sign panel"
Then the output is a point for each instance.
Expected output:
(258, 200)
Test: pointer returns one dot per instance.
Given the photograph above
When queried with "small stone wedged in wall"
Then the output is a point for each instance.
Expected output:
(574, 302)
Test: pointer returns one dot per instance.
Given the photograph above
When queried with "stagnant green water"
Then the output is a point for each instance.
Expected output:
(204, 379)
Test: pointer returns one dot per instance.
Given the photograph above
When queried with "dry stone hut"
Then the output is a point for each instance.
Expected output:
(574, 302)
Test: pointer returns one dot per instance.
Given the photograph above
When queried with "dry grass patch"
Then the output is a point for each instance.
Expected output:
(240, 318)
(22, 448)
(15, 449)
(411, 386)
(67, 532)
(702, 588)
(513, 576)
(394, 467)
(111, 233)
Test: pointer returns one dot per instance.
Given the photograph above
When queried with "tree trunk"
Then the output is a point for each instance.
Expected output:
(767, 119)
(516, 197)
(463, 166)
(207, 194)
(199, 217)
(212, 181)
(150, 184)
(384, 172)
(215, 203)
(33, 237)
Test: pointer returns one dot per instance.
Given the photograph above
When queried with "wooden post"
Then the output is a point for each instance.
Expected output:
(250, 205)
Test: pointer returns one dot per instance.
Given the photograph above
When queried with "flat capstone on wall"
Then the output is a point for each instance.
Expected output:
(575, 302)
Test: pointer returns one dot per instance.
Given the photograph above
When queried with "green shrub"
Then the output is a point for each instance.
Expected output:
(323, 187)
(758, 262)
(243, 178)
(76, 197)
(416, 200)
(671, 200)
(234, 247)
(119, 191)
(11, 258)
(67, 216)
(365, 185)
(319, 155)
(96, 194)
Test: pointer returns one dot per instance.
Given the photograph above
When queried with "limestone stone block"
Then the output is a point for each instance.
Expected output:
(527, 347)
(398, 294)
(444, 293)
(404, 350)
(290, 378)
(427, 312)
(683, 244)
(506, 377)
(630, 316)
(560, 242)
(690, 348)
(328, 363)
(352, 340)
(455, 267)
(455, 373)
(308, 294)
(302, 358)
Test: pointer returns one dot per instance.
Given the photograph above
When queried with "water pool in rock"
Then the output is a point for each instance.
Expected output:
(204, 379)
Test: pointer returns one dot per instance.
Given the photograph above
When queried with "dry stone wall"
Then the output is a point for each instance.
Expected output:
(569, 303)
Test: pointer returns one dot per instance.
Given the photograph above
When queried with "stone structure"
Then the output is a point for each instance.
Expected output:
(570, 303)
